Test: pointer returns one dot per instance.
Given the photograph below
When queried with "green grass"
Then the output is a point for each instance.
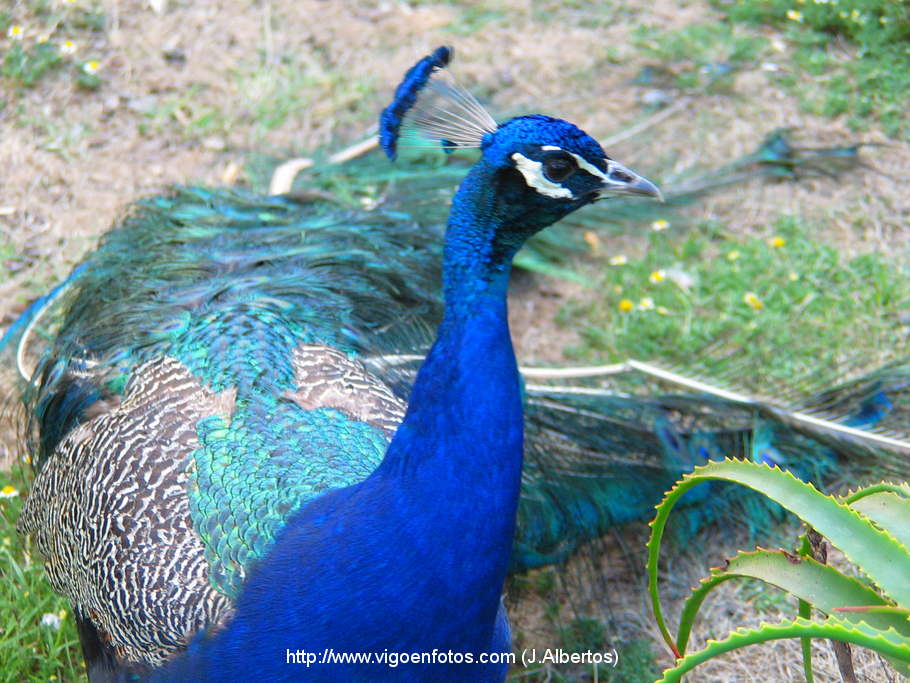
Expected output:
(43, 38)
(699, 55)
(10, 260)
(30, 650)
(280, 93)
(782, 310)
(185, 110)
(635, 658)
(636, 664)
(27, 65)
(868, 82)
(573, 633)
(577, 13)
(872, 84)
(701, 43)
(474, 18)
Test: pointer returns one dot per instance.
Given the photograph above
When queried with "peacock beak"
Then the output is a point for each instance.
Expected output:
(619, 180)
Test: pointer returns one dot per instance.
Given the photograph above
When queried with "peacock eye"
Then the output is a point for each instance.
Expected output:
(559, 166)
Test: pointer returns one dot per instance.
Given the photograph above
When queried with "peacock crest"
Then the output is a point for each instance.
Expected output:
(430, 104)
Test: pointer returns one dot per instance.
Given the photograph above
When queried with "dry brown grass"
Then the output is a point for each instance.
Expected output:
(71, 160)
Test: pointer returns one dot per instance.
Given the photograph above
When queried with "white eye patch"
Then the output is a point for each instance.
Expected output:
(534, 177)
(582, 163)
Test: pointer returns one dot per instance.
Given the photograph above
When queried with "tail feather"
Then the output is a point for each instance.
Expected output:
(601, 450)
(600, 457)
(422, 185)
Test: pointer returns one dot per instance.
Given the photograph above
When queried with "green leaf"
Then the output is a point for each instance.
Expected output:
(885, 561)
(804, 577)
(890, 511)
(902, 612)
(888, 643)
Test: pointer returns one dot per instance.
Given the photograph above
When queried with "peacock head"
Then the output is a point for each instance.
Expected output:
(547, 167)
(539, 168)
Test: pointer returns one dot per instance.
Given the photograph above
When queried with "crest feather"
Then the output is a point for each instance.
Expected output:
(436, 106)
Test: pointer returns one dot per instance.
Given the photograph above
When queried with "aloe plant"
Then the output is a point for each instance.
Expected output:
(870, 526)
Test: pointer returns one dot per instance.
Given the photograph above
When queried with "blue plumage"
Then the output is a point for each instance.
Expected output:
(406, 96)
(414, 557)
(214, 361)
(236, 370)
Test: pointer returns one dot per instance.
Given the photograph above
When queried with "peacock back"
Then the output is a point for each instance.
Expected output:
(207, 378)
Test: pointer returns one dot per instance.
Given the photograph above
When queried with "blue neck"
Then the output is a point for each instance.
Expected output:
(414, 557)
(472, 357)
(459, 448)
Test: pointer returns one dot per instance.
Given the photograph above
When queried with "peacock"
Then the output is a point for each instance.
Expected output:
(218, 458)
(241, 451)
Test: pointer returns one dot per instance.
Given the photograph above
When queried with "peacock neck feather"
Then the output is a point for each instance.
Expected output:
(416, 554)
(470, 376)
(459, 447)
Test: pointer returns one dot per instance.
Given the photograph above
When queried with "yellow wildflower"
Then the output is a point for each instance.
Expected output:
(777, 241)
(660, 224)
(626, 306)
(733, 255)
(16, 32)
(753, 301)
(794, 15)
(618, 260)
(9, 491)
(657, 276)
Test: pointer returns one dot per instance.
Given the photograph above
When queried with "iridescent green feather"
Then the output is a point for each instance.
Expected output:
(229, 284)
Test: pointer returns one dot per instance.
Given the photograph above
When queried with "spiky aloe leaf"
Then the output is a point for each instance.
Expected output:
(889, 509)
(823, 586)
(902, 612)
(884, 559)
(889, 643)
(901, 489)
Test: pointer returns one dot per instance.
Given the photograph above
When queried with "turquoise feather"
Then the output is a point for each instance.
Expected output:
(231, 285)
